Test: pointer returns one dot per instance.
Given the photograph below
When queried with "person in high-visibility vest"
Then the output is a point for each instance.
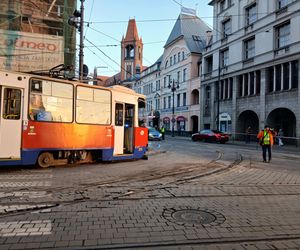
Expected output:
(266, 140)
(162, 131)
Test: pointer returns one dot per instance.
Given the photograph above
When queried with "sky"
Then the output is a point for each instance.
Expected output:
(106, 23)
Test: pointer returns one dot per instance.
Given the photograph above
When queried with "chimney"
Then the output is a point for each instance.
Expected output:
(208, 37)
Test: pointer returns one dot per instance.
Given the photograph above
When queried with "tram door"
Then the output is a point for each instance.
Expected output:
(119, 129)
(124, 126)
(10, 123)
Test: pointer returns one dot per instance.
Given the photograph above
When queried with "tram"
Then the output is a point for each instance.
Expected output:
(49, 121)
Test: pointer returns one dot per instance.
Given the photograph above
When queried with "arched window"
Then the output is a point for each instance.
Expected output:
(129, 51)
(195, 97)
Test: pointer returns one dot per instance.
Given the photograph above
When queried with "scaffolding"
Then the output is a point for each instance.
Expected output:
(40, 21)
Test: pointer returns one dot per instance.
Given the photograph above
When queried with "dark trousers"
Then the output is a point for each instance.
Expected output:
(266, 148)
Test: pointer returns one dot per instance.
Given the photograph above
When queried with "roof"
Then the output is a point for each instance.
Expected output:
(132, 32)
(192, 29)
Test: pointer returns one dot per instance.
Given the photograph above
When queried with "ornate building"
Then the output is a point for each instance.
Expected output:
(251, 68)
(179, 67)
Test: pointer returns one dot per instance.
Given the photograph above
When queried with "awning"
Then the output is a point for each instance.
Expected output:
(180, 118)
(166, 120)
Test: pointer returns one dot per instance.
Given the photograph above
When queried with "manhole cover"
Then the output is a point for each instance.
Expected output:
(192, 216)
(188, 216)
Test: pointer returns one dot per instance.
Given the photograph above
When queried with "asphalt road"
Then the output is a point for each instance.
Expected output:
(187, 195)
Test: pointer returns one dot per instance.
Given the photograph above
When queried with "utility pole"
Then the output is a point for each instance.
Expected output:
(81, 46)
(78, 24)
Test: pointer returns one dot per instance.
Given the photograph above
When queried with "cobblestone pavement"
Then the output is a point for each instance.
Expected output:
(207, 197)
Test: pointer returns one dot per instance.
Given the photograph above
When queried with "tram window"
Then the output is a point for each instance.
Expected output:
(119, 114)
(12, 104)
(141, 112)
(51, 101)
(93, 106)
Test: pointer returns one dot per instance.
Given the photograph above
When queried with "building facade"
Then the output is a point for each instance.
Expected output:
(251, 68)
(172, 84)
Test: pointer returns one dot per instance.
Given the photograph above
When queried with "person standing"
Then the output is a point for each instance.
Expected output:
(266, 141)
(162, 131)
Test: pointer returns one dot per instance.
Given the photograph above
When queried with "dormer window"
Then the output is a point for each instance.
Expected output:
(196, 38)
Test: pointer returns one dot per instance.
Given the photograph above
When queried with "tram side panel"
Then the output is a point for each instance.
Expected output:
(46, 137)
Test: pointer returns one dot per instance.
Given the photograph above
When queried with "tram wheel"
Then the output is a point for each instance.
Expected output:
(45, 160)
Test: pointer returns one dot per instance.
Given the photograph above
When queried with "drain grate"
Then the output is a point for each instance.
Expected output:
(193, 217)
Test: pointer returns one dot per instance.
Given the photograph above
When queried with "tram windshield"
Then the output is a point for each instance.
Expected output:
(142, 112)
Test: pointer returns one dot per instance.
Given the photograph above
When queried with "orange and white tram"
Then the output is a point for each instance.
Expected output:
(48, 121)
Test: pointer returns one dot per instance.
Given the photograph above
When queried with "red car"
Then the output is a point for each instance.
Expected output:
(210, 136)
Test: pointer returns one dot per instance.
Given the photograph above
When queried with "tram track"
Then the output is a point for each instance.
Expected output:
(203, 243)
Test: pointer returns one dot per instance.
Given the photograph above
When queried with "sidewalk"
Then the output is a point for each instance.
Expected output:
(286, 148)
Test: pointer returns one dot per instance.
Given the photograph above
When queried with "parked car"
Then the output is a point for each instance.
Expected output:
(153, 134)
(209, 135)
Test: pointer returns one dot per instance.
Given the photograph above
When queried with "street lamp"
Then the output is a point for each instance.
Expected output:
(173, 88)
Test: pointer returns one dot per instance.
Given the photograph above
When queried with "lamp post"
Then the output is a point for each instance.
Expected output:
(173, 87)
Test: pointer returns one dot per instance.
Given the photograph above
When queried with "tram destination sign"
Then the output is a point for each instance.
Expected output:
(23, 51)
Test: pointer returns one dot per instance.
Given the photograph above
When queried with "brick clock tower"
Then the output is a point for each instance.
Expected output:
(131, 52)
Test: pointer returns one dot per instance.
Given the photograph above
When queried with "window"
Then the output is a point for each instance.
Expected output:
(184, 75)
(165, 102)
(119, 114)
(12, 104)
(178, 77)
(157, 104)
(208, 64)
(251, 14)
(229, 3)
(93, 106)
(166, 65)
(224, 58)
(196, 38)
(249, 48)
(183, 55)
(283, 35)
(174, 58)
(283, 3)
(178, 100)
(178, 56)
(184, 99)
(157, 86)
(171, 61)
(169, 101)
(51, 101)
(226, 28)
(222, 5)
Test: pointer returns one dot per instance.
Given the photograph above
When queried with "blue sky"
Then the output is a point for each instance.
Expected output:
(108, 21)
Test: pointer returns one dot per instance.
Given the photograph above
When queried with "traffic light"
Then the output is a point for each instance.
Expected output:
(74, 20)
